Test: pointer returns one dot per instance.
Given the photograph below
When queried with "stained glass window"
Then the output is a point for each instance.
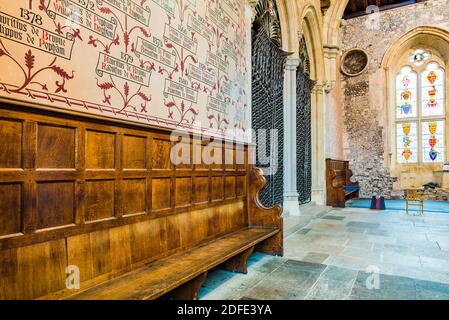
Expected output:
(407, 93)
(420, 105)
(407, 142)
(432, 84)
(433, 141)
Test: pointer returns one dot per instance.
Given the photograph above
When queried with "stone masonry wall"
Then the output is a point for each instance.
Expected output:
(364, 108)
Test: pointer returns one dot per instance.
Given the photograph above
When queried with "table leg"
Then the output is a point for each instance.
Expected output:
(406, 203)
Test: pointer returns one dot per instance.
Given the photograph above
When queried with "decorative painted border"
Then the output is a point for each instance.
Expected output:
(108, 111)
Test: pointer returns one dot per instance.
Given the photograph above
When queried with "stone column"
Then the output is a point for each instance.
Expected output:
(321, 96)
(291, 204)
(318, 145)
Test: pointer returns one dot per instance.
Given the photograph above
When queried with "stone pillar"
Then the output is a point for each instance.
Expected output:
(291, 204)
(321, 95)
(318, 145)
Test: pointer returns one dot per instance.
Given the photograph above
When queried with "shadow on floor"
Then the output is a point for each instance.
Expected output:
(430, 206)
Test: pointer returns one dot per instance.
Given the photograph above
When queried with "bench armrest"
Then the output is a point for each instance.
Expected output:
(336, 183)
(262, 217)
(349, 175)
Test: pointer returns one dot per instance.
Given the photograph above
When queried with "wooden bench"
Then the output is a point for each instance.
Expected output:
(181, 275)
(99, 204)
(339, 187)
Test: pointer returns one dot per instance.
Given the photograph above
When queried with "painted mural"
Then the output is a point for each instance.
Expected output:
(173, 63)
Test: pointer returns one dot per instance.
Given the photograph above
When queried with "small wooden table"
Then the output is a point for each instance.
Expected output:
(417, 196)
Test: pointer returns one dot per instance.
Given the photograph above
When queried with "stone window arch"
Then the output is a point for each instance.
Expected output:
(436, 41)
(420, 108)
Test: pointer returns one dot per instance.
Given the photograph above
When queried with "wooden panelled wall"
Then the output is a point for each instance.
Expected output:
(103, 197)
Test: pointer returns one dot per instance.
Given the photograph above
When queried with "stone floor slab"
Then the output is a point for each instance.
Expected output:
(303, 231)
(329, 290)
(330, 259)
(386, 288)
(362, 224)
(315, 257)
(333, 273)
(427, 290)
(331, 217)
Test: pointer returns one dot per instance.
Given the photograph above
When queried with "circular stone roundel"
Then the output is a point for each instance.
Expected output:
(354, 62)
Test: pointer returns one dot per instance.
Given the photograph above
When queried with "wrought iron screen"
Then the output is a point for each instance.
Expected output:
(268, 63)
(304, 135)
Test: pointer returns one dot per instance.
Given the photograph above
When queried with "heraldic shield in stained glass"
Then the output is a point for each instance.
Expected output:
(433, 95)
(433, 141)
(407, 142)
(406, 93)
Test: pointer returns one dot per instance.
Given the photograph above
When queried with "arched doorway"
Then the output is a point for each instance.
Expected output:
(305, 118)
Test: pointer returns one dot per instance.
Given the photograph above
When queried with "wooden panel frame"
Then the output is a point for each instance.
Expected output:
(28, 176)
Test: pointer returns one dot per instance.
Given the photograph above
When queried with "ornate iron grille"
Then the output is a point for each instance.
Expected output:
(304, 87)
(304, 135)
(267, 111)
(267, 17)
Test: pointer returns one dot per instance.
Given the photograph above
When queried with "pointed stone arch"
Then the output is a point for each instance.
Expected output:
(268, 61)
(309, 27)
(311, 30)
(429, 37)
(332, 22)
(305, 120)
(298, 21)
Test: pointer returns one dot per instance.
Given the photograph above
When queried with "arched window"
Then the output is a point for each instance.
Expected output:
(421, 110)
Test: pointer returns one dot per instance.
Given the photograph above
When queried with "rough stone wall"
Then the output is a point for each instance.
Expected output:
(364, 109)
(365, 140)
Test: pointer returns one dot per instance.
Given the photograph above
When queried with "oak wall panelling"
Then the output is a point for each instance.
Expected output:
(102, 196)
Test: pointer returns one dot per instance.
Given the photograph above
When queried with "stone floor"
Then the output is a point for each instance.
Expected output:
(348, 254)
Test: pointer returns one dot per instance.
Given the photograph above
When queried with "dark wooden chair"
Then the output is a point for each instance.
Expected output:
(99, 204)
(339, 187)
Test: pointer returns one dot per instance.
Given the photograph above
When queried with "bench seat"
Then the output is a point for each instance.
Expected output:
(156, 279)
(351, 189)
(349, 192)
